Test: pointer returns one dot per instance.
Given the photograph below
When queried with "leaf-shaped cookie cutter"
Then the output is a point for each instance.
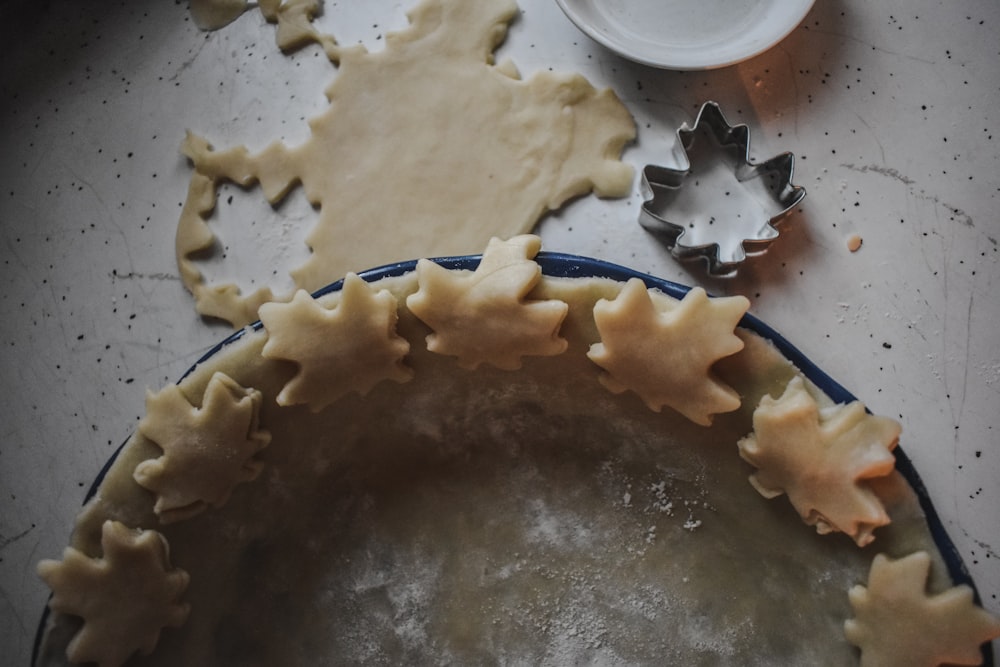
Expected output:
(724, 247)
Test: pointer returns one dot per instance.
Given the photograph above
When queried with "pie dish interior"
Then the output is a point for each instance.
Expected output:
(488, 515)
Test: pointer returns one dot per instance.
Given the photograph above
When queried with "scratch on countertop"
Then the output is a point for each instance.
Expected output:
(874, 135)
(988, 548)
(967, 360)
(14, 608)
(857, 40)
(961, 215)
(890, 172)
(184, 66)
(7, 541)
(96, 192)
(135, 275)
(957, 394)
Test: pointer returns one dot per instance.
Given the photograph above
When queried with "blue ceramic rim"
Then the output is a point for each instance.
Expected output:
(563, 265)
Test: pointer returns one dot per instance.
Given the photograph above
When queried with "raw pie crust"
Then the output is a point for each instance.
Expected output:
(521, 512)
(428, 148)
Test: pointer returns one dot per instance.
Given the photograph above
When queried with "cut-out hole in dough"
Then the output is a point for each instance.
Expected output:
(257, 245)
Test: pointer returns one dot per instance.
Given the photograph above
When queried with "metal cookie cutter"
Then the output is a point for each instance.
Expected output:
(730, 203)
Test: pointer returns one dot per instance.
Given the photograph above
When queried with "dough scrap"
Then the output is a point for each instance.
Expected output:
(821, 459)
(484, 316)
(897, 624)
(125, 598)
(215, 14)
(206, 451)
(427, 149)
(351, 347)
(664, 349)
(292, 17)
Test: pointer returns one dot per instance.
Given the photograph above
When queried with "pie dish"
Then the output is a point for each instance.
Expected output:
(683, 35)
(514, 494)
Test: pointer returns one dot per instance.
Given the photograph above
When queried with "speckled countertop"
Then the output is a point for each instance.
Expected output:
(891, 108)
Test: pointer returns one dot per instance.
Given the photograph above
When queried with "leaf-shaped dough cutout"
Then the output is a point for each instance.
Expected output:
(125, 598)
(898, 624)
(207, 450)
(821, 459)
(484, 316)
(664, 349)
(351, 347)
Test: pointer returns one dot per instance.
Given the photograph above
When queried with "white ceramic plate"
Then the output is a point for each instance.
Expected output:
(687, 34)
